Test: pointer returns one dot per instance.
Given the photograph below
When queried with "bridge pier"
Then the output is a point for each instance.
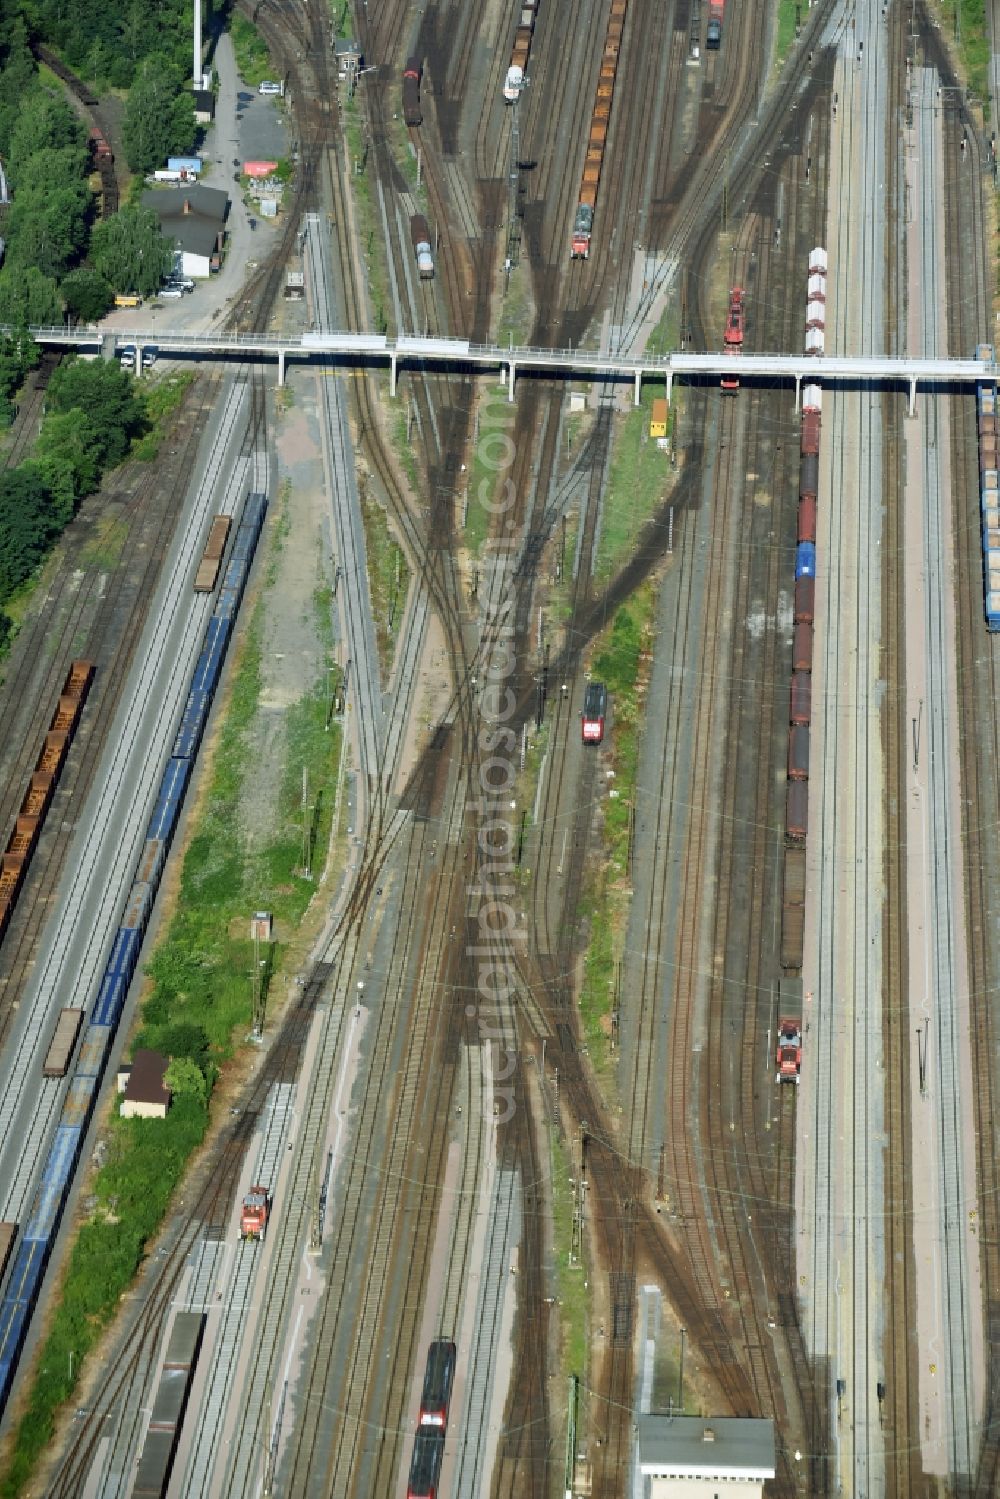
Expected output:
(670, 386)
(798, 394)
(392, 374)
(913, 397)
(510, 380)
(138, 361)
(281, 368)
(638, 388)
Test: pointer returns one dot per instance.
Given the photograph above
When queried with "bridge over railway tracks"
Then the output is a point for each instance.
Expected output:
(370, 348)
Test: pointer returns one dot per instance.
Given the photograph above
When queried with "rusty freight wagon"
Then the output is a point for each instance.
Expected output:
(211, 558)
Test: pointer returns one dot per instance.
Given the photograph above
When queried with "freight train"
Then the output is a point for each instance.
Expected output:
(989, 491)
(583, 222)
(800, 695)
(159, 1449)
(35, 803)
(39, 1233)
(514, 81)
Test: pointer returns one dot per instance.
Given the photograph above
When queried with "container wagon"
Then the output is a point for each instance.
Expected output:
(595, 708)
(412, 75)
(439, 1376)
(60, 1050)
(716, 15)
(420, 236)
(173, 1390)
(211, 558)
(583, 221)
(425, 1465)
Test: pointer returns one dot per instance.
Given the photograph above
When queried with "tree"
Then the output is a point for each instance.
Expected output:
(44, 123)
(129, 251)
(26, 525)
(18, 76)
(28, 298)
(88, 296)
(48, 225)
(185, 1079)
(159, 116)
(102, 394)
(70, 455)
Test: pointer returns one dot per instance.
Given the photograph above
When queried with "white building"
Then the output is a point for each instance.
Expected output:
(690, 1457)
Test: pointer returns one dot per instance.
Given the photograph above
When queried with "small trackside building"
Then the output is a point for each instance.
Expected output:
(146, 1094)
(690, 1457)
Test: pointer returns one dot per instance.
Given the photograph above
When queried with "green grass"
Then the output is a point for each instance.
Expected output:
(104, 552)
(253, 61)
(403, 441)
(369, 225)
(162, 399)
(388, 579)
(639, 478)
(570, 1289)
(790, 14)
(618, 662)
(200, 1006)
(963, 22)
(515, 310)
(666, 336)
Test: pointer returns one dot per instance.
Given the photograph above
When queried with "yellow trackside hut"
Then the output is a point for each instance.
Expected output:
(658, 420)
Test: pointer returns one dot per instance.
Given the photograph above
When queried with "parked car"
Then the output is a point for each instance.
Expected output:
(170, 293)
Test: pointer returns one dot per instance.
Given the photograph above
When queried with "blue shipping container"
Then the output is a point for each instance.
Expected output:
(184, 164)
(51, 1193)
(93, 1050)
(124, 951)
(111, 997)
(805, 560)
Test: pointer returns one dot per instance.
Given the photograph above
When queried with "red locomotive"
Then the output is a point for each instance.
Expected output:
(734, 334)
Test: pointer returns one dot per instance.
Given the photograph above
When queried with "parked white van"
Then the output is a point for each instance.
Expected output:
(269, 87)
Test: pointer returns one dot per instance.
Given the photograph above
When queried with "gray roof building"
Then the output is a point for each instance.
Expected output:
(687, 1455)
(204, 105)
(193, 216)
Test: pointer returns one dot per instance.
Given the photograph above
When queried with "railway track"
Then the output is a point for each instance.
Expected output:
(91, 614)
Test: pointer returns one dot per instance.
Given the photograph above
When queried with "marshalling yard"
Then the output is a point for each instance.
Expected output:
(637, 1051)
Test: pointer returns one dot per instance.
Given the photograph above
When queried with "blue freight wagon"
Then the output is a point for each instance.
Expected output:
(805, 560)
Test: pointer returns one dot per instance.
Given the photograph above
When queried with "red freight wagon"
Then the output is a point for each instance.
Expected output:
(798, 753)
(805, 600)
(811, 424)
(802, 647)
(807, 518)
(797, 810)
(800, 703)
